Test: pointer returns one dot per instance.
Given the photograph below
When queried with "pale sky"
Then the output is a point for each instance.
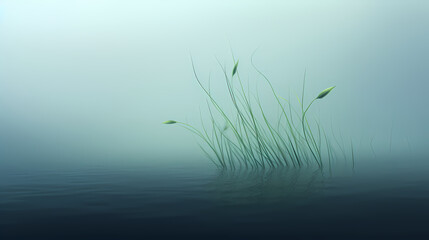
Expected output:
(97, 78)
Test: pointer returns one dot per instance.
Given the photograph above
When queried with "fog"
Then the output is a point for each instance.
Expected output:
(86, 80)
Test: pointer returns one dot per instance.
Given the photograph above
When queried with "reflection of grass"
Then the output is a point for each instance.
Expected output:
(249, 138)
(266, 186)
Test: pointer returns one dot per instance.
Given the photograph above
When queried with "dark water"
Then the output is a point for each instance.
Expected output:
(386, 199)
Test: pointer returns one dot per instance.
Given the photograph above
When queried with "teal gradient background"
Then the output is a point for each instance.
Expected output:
(93, 80)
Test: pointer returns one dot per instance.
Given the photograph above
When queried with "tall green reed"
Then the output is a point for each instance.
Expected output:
(249, 138)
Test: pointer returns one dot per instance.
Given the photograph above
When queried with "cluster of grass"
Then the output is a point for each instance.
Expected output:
(249, 138)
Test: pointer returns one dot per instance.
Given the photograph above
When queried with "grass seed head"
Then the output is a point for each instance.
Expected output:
(325, 92)
(169, 122)
(234, 70)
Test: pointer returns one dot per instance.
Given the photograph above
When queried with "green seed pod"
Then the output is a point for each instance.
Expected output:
(325, 92)
(234, 70)
(169, 122)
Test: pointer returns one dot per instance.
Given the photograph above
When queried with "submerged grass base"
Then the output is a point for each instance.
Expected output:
(248, 138)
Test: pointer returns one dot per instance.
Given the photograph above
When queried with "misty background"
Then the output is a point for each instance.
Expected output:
(93, 80)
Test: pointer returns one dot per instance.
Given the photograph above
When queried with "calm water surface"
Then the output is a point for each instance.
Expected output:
(375, 200)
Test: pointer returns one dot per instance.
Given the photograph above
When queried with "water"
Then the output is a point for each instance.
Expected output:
(379, 199)
(85, 86)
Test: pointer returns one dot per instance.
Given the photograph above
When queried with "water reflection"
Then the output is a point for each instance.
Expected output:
(266, 186)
